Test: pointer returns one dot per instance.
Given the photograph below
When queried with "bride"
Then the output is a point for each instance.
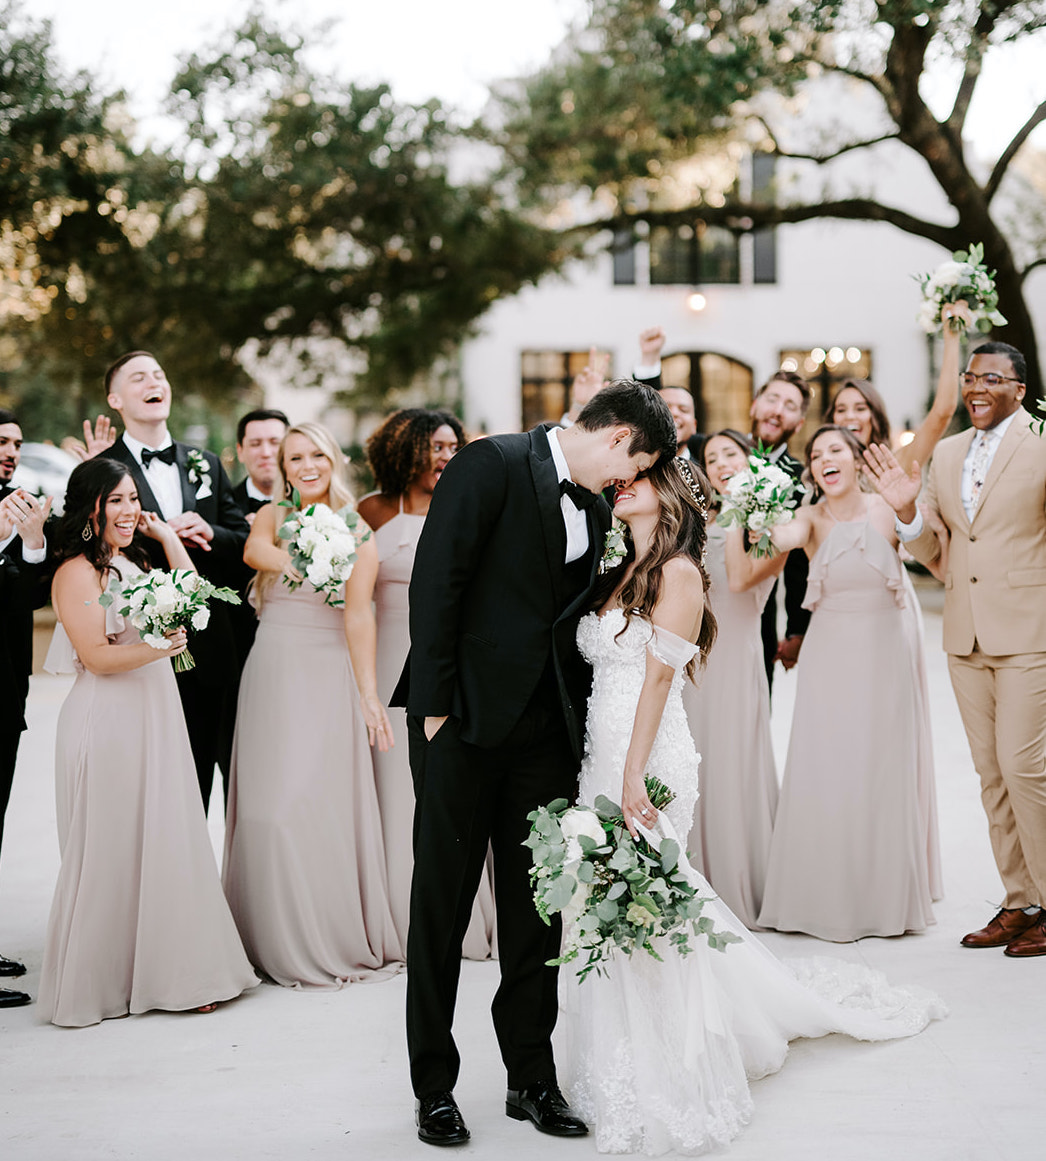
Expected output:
(658, 1054)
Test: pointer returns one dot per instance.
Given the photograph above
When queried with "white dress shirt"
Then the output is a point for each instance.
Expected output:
(993, 437)
(574, 519)
(255, 493)
(164, 479)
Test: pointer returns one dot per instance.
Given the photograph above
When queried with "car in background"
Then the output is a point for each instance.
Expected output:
(44, 470)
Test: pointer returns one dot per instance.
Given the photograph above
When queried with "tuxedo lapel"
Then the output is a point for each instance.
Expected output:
(550, 510)
(181, 454)
(120, 451)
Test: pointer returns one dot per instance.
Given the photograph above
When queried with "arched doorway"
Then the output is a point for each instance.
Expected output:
(721, 387)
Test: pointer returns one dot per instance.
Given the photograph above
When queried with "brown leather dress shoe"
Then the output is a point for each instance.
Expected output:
(1032, 942)
(1003, 929)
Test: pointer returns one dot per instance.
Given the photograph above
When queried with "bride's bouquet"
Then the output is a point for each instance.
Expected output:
(613, 893)
(759, 498)
(156, 602)
(322, 544)
(964, 277)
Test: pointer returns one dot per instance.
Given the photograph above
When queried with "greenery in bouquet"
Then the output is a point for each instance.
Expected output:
(157, 602)
(615, 894)
(965, 278)
(322, 544)
(759, 498)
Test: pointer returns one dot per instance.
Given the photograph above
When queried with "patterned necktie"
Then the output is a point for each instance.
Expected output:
(979, 469)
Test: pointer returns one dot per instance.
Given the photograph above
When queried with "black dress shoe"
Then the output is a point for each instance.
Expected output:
(544, 1104)
(9, 999)
(11, 967)
(440, 1121)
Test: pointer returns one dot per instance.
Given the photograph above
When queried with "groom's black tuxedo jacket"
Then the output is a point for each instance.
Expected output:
(23, 588)
(493, 607)
(213, 648)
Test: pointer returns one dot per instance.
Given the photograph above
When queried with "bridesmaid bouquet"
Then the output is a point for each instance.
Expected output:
(322, 545)
(759, 498)
(965, 277)
(614, 893)
(156, 602)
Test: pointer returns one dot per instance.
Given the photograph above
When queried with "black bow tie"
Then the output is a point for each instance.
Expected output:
(165, 455)
(580, 497)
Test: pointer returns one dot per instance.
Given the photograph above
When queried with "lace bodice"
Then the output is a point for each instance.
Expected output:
(618, 660)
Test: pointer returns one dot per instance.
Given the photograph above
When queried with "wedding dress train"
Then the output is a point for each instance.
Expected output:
(657, 1055)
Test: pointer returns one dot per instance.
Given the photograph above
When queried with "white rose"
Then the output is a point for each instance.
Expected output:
(949, 274)
(156, 641)
(319, 572)
(756, 522)
(200, 618)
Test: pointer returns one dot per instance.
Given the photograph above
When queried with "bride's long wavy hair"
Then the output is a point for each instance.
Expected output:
(684, 492)
(340, 495)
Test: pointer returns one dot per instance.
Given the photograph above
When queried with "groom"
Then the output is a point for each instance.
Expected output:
(496, 705)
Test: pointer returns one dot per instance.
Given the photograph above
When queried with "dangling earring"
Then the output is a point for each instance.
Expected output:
(87, 533)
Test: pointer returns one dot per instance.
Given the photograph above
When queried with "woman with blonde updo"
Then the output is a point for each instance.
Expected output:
(304, 864)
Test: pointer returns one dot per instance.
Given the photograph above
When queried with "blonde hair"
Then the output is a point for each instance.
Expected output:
(339, 495)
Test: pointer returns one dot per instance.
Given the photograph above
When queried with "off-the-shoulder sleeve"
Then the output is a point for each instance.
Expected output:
(671, 650)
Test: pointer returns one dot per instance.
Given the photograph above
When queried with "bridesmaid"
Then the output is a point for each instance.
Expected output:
(138, 920)
(304, 866)
(407, 455)
(730, 837)
(848, 856)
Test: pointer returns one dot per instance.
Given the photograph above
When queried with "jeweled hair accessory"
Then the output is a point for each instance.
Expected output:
(685, 470)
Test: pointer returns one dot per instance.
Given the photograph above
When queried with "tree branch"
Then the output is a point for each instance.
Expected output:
(822, 159)
(743, 217)
(985, 22)
(999, 172)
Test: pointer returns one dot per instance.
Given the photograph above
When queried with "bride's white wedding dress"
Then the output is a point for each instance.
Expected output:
(657, 1056)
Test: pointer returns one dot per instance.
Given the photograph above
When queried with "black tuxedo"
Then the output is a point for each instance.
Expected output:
(23, 588)
(207, 690)
(795, 573)
(493, 614)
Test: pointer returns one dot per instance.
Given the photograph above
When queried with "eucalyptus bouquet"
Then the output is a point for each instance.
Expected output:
(615, 894)
(156, 602)
(759, 498)
(964, 277)
(322, 544)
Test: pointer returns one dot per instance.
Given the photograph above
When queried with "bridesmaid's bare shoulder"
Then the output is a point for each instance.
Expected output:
(377, 509)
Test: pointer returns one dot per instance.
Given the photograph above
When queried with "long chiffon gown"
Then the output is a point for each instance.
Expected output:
(729, 715)
(304, 867)
(850, 852)
(658, 1055)
(397, 541)
(138, 921)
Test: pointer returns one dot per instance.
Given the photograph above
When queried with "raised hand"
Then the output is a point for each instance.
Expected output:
(25, 514)
(193, 529)
(900, 489)
(651, 344)
(101, 437)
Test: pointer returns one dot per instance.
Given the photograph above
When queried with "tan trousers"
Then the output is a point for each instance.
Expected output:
(1003, 705)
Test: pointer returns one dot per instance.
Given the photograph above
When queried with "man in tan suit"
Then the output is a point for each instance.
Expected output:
(988, 488)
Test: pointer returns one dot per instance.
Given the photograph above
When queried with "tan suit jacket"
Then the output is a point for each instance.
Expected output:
(995, 586)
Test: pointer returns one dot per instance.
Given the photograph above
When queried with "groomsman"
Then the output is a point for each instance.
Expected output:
(258, 438)
(190, 490)
(23, 550)
(988, 487)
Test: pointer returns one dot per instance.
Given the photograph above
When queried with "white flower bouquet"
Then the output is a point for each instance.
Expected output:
(156, 602)
(759, 498)
(322, 546)
(964, 277)
(615, 894)
(614, 548)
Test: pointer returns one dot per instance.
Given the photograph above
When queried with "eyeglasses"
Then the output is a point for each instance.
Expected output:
(990, 379)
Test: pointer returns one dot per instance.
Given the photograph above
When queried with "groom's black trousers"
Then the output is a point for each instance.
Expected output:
(466, 796)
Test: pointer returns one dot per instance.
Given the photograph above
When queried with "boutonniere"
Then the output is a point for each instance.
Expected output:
(199, 471)
(614, 550)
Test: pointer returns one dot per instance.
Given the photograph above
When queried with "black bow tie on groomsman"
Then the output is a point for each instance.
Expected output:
(165, 455)
(580, 497)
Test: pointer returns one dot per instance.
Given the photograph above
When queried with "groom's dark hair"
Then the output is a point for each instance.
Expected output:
(626, 403)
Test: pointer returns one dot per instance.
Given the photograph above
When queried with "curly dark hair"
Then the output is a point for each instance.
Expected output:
(684, 492)
(400, 450)
(90, 486)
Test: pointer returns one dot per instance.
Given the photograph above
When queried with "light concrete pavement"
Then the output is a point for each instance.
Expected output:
(297, 1075)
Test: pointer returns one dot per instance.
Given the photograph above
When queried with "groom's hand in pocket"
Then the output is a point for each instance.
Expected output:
(432, 727)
